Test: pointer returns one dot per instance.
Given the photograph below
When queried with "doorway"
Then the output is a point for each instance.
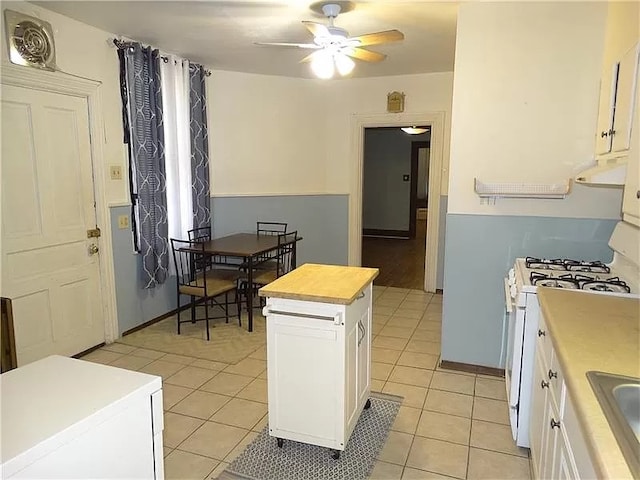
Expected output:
(436, 122)
(395, 176)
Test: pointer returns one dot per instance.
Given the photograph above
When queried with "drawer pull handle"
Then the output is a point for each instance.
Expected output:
(544, 384)
(552, 374)
(361, 295)
(541, 333)
(554, 424)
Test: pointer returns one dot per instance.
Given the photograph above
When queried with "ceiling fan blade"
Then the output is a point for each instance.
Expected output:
(363, 54)
(379, 37)
(294, 45)
(309, 57)
(316, 29)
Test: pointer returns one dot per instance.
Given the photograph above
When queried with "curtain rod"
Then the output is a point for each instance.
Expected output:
(122, 44)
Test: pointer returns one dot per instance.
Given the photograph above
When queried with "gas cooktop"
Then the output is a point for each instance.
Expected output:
(594, 276)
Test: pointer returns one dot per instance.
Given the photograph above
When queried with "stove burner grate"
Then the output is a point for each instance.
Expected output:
(563, 281)
(545, 264)
(614, 285)
(581, 266)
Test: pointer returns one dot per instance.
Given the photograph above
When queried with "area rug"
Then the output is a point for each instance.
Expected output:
(229, 343)
(264, 460)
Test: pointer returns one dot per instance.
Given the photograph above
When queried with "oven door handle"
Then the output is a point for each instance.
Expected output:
(507, 295)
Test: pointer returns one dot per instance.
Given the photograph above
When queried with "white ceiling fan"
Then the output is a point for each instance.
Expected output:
(333, 48)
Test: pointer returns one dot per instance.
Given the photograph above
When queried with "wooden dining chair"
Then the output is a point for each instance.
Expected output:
(202, 283)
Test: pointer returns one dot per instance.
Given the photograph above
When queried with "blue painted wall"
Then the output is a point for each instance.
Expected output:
(480, 250)
(135, 304)
(322, 221)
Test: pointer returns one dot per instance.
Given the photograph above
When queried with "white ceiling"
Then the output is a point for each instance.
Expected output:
(221, 34)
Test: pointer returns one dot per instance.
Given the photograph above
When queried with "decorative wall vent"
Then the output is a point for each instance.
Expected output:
(30, 41)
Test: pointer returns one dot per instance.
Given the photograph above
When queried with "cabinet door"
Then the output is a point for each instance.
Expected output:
(625, 100)
(364, 354)
(563, 468)
(606, 109)
(549, 439)
(352, 335)
(537, 424)
(305, 370)
(631, 198)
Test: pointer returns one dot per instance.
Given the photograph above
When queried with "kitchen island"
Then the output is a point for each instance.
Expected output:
(594, 332)
(318, 353)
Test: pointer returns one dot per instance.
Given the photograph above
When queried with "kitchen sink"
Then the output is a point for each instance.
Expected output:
(619, 397)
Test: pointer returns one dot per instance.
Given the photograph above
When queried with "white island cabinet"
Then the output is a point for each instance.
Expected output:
(319, 353)
(72, 419)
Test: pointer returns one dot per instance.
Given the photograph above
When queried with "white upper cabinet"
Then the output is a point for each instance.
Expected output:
(616, 104)
(631, 196)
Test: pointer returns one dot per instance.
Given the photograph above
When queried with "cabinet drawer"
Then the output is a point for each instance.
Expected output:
(543, 343)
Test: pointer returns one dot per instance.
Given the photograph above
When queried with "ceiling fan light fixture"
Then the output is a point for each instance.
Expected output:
(322, 65)
(344, 64)
(414, 130)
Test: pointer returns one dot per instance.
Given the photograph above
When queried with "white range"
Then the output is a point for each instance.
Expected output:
(620, 277)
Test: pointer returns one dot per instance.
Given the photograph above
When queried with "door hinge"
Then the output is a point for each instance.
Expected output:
(93, 233)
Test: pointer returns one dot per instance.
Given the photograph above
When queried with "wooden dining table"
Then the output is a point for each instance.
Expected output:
(248, 247)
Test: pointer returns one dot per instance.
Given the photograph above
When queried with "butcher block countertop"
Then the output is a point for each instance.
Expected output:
(594, 332)
(321, 283)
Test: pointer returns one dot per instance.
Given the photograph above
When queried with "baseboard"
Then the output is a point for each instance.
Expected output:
(157, 319)
(374, 232)
(88, 350)
(470, 368)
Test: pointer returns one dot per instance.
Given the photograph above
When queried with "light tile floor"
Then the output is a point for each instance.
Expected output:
(451, 424)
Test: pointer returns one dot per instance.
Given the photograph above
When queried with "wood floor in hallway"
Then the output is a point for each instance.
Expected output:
(401, 262)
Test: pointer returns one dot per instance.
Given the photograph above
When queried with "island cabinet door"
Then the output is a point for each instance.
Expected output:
(305, 368)
(364, 348)
(358, 357)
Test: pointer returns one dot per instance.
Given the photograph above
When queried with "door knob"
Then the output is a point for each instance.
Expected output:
(93, 249)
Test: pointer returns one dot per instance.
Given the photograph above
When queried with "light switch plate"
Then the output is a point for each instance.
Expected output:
(123, 221)
(115, 171)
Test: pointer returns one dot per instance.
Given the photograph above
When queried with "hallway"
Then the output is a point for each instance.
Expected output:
(401, 262)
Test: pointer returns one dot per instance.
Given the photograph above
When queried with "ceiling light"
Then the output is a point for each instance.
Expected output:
(322, 64)
(414, 130)
(344, 64)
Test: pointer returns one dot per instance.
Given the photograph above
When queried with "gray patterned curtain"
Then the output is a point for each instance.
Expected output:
(146, 149)
(199, 146)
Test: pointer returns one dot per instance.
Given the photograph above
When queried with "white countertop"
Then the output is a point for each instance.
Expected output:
(44, 402)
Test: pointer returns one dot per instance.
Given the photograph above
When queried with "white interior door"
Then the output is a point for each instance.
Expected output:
(48, 268)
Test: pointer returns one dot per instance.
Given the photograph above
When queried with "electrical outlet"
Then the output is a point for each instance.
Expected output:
(123, 221)
(115, 172)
